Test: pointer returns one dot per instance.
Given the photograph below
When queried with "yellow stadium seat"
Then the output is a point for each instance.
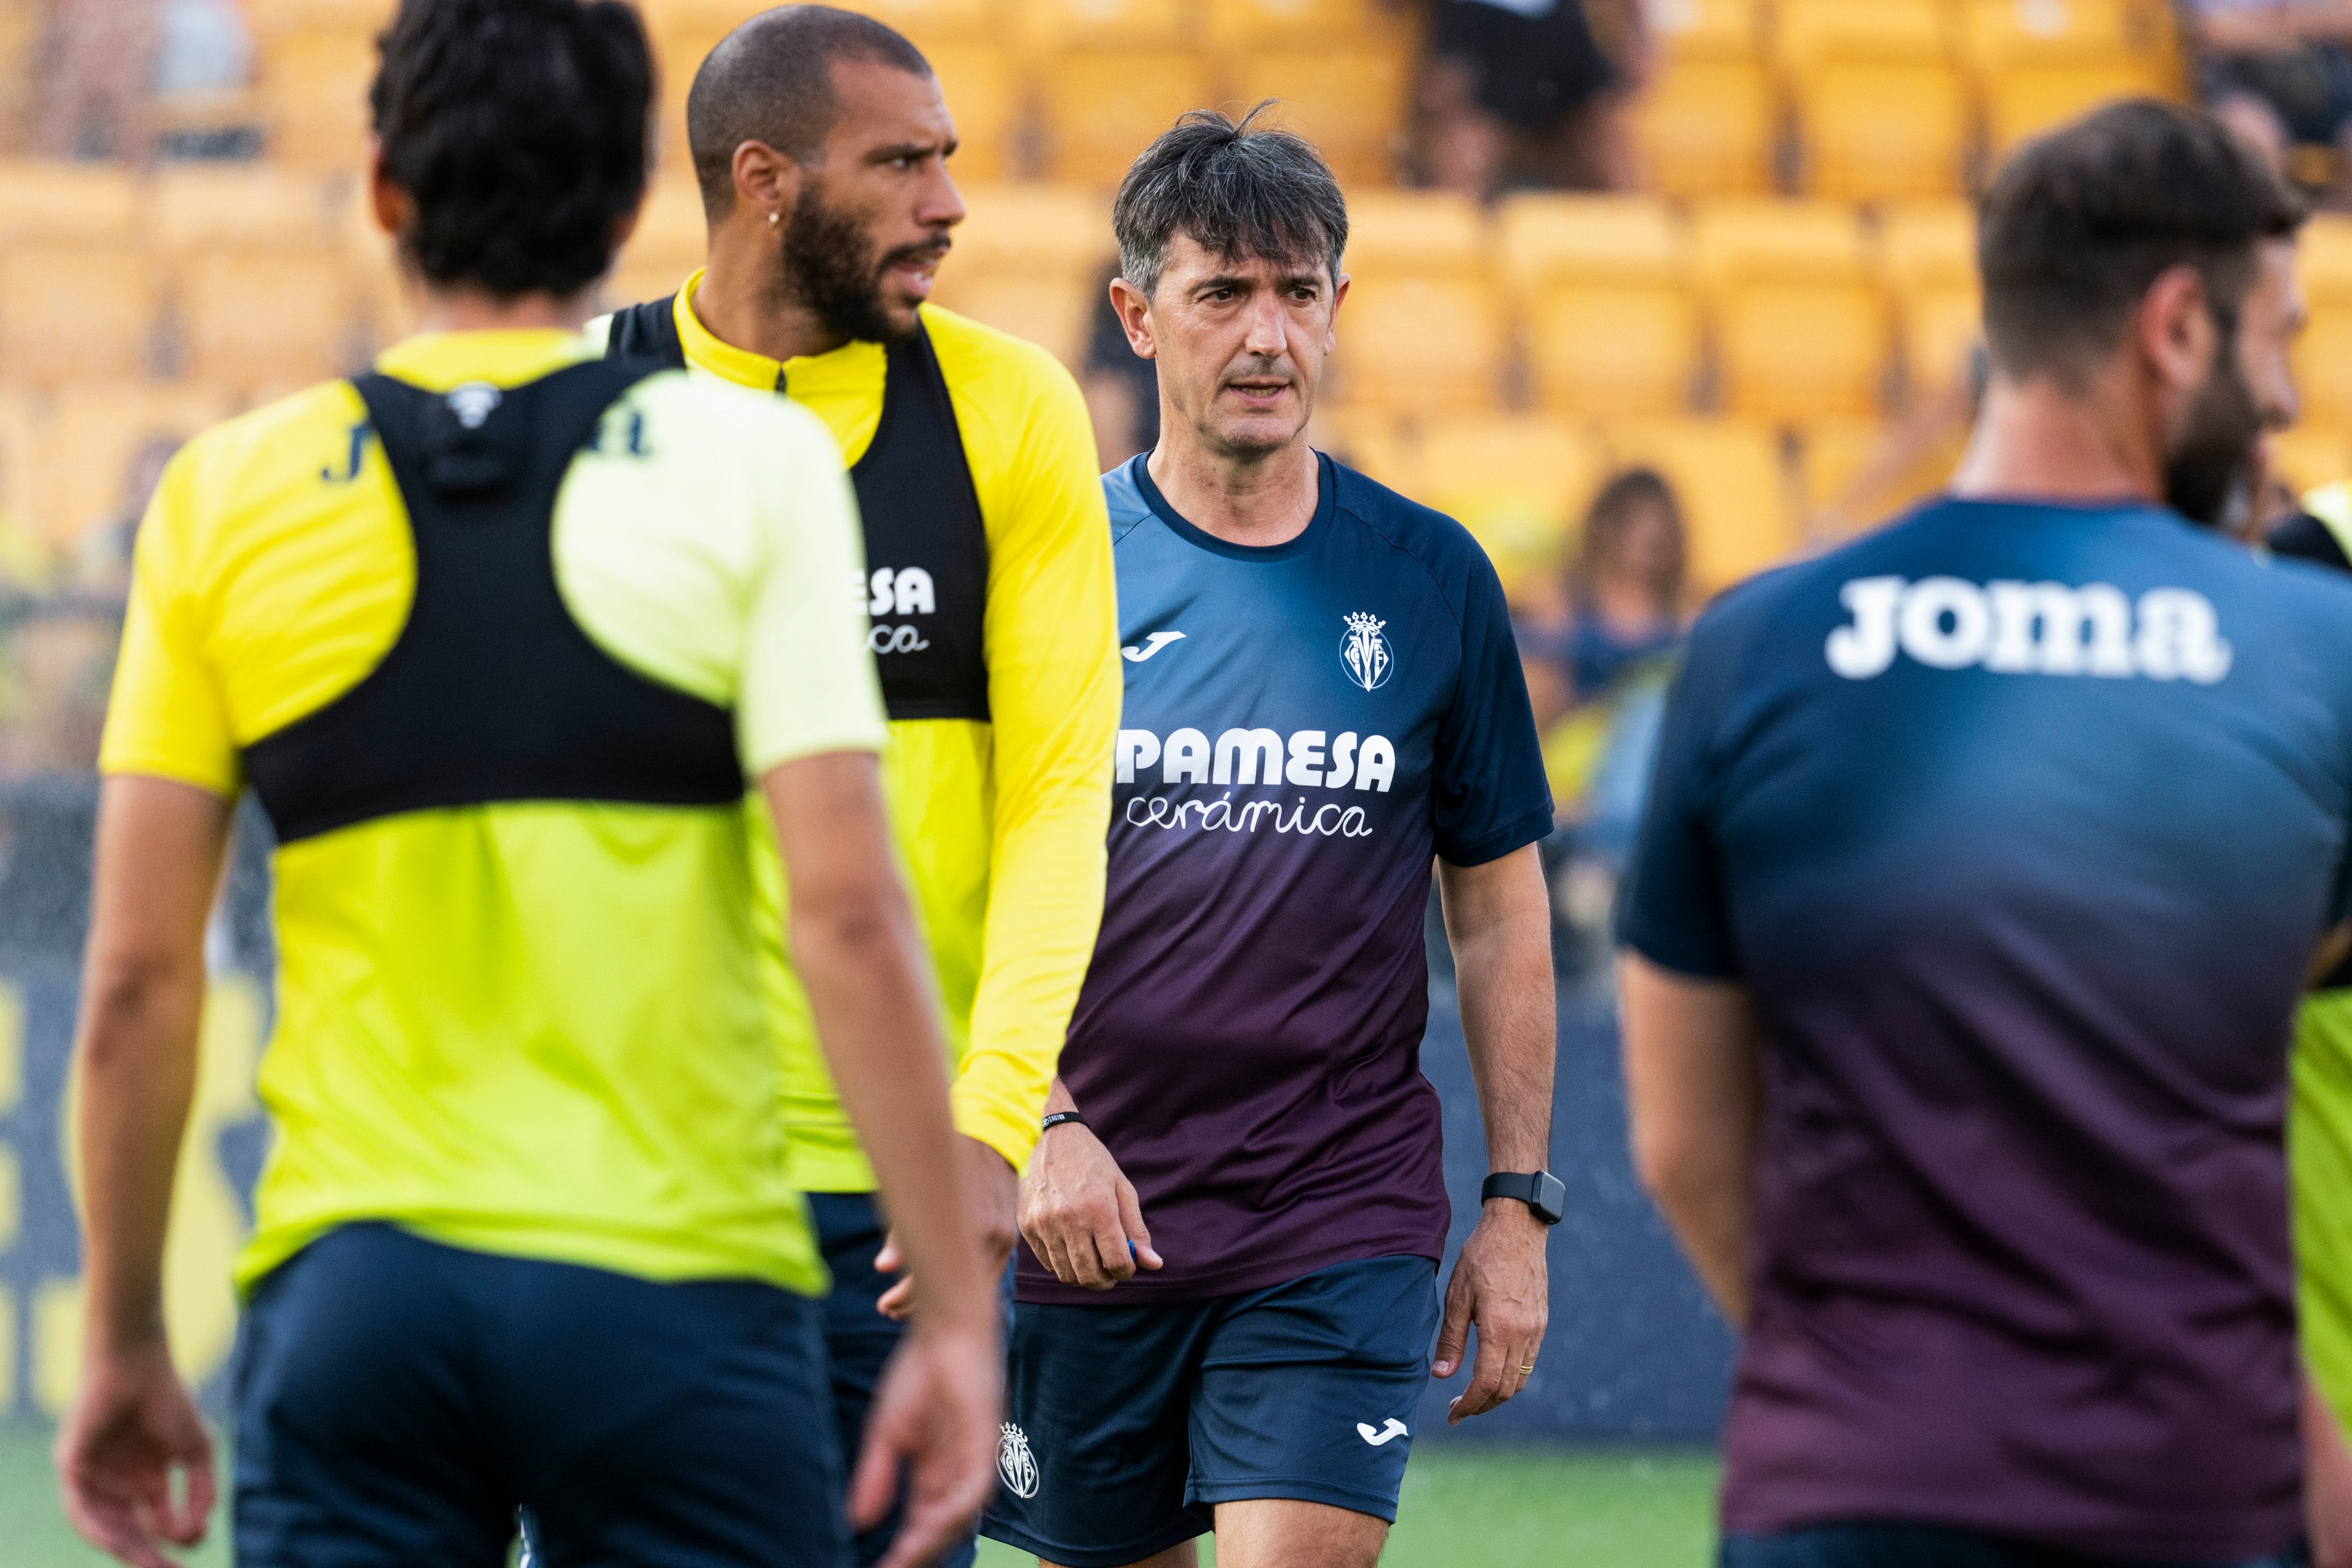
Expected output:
(2310, 455)
(1259, 24)
(982, 90)
(1612, 325)
(2323, 365)
(679, 49)
(1707, 30)
(1520, 484)
(2027, 100)
(1738, 241)
(1800, 328)
(668, 244)
(925, 22)
(1420, 344)
(1103, 109)
(1104, 24)
(1810, 32)
(1883, 132)
(275, 18)
(1705, 129)
(1928, 255)
(75, 313)
(1733, 486)
(28, 517)
(315, 85)
(255, 204)
(100, 429)
(1028, 261)
(1835, 455)
(2002, 35)
(1351, 104)
(44, 200)
(2324, 259)
(1425, 233)
(262, 319)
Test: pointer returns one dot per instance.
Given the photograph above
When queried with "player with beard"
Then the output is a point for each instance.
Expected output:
(819, 140)
(1985, 859)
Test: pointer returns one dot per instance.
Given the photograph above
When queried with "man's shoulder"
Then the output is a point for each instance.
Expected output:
(973, 355)
(266, 457)
(1124, 497)
(1447, 553)
(706, 414)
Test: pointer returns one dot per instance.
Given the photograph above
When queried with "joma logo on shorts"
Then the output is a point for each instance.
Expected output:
(2029, 629)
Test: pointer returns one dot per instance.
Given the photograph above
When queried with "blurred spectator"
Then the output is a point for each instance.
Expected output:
(108, 62)
(105, 549)
(1597, 676)
(1530, 94)
(102, 58)
(1623, 599)
(2289, 58)
(1122, 388)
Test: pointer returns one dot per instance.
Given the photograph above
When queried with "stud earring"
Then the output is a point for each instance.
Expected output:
(775, 218)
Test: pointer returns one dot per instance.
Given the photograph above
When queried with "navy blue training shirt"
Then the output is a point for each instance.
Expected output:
(2021, 823)
(1306, 724)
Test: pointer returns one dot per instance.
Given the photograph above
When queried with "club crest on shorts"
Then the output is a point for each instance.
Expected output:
(1015, 1463)
(1368, 659)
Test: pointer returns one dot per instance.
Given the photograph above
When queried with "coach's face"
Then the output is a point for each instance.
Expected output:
(869, 226)
(2241, 386)
(1241, 343)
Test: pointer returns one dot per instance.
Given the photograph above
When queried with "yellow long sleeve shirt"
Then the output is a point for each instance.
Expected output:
(1001, 823)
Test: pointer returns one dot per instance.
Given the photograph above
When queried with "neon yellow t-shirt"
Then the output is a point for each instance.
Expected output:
(535, 1028)
(1001, 824)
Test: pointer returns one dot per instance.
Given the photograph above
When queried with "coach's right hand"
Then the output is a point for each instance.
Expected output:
(1080, 1213)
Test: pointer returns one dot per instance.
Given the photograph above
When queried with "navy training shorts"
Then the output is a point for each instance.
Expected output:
(1128, 1425)
(398, 1401)
(1870, 1545)
(858, 1340)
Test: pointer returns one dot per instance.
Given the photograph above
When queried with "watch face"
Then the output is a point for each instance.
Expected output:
(1551, 1199)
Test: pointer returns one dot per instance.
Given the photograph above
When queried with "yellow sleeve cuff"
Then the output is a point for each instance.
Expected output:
(995, 1116)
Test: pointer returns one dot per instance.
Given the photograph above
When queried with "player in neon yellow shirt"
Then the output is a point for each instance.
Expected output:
(821, 142)
(498, 633)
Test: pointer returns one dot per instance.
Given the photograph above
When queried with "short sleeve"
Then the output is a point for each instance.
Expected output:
(1672, 909)
(1490, 792)
(166, 717)
(808, 683)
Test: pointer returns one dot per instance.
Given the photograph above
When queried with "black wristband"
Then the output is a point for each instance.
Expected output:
(1057, 1118)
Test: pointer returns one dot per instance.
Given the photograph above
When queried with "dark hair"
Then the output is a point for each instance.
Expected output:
(1238, 190)
(1611, 519)
(2081, 221)
(771, 80)
(518, 129)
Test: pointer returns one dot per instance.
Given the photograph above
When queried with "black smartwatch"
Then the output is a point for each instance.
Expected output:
(1542, 1192)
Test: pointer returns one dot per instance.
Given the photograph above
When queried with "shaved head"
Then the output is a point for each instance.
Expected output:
(771, 80)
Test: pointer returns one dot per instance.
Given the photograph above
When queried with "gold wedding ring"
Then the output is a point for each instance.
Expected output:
(1529, 1370)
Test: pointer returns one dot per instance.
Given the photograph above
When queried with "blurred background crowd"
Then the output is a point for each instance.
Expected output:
(1649, 293)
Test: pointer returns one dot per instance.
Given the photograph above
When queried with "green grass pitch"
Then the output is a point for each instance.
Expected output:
(1465, 1506)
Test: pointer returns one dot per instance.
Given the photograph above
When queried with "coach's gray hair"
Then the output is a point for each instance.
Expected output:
(1238, 189)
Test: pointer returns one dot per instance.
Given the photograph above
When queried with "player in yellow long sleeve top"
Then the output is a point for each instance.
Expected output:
(819, 139)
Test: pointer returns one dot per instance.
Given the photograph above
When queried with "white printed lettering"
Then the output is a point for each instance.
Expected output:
(1187, 757)
(1249, 748)
(1343, 762)
(1867, 647)
(1305, 758)
(1136, 748)
(913, 592)
(1925, 637)
(2029, 628)
(1376, 766)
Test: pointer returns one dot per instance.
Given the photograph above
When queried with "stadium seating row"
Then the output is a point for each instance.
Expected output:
(1069, 89)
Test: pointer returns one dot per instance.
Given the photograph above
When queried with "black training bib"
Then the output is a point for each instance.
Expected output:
(492, 692)
(926, 586)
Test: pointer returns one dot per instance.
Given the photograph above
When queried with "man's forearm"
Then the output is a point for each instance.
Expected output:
(157, 866)
(138, 1071)
(1500, 925)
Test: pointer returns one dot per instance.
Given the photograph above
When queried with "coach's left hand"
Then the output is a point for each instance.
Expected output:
(1502, 1284)
(995, 1189)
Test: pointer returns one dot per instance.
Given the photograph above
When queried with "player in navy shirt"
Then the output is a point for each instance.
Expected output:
(1986, 861)
(1322, 694)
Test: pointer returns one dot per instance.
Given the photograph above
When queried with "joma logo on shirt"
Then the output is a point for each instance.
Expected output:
(2029, 629)
(1261, 757)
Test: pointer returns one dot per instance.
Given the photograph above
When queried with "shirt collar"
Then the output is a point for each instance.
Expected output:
(438, 361)
(805, 376)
